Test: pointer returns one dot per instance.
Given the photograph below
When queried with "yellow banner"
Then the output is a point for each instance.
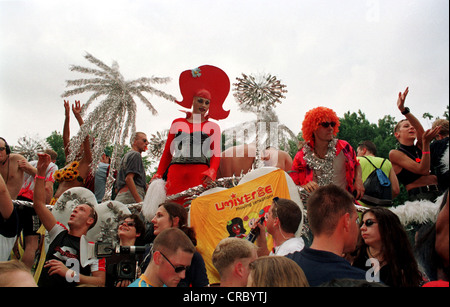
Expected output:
(233, 212)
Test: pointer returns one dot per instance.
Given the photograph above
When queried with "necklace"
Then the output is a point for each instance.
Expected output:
(377, 256)
(411, 151)
(322, 166)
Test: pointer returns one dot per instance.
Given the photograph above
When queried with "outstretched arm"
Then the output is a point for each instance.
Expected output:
(66, 128)
(45, 215)
(410, 117)
(76, 109)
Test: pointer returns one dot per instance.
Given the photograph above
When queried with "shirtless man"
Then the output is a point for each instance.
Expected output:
(277, 158)
(236, 160)
(9, 168)
(239, 159)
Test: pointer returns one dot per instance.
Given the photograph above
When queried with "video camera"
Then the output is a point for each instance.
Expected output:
(122, 262)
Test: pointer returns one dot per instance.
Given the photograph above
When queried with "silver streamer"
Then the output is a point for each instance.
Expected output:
(321, 167)
(113, 120)
(191, 193)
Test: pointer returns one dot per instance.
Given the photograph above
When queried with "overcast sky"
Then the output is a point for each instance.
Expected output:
(348, 55)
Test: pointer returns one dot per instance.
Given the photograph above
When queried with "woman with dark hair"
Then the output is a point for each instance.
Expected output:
(411, 160)
(174, 215)
(384, 241)
(130, 232)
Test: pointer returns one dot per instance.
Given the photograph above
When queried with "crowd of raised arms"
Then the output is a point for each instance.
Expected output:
(341, 245)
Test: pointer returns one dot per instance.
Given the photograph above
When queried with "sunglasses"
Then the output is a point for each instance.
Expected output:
(368, 222)
(130, 224)
(2, 148)
(178, 269)
(328, 124)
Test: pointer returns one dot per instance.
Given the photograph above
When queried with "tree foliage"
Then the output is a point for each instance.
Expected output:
(356, 128)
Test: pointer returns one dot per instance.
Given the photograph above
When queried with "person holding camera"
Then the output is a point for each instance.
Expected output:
(121, 269)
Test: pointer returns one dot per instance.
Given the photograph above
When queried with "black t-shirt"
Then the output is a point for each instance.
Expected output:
(65, 248)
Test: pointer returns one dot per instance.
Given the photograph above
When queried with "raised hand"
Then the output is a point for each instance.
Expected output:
(401, 100)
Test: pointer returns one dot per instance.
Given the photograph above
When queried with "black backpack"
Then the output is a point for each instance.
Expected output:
(377, 187)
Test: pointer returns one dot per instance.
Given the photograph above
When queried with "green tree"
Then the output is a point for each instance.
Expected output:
(385, 140)
(55, 140)
(355, 128)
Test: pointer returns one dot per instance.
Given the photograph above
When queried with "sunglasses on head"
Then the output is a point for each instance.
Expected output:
(179, 268)
(328, 124)
(368, 222)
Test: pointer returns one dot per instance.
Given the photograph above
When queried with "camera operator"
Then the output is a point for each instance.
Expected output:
(121, 269)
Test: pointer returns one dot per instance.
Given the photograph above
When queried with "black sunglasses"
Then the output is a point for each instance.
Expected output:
(130, 224)
(328, 124)
(178, 269)
(368, 222)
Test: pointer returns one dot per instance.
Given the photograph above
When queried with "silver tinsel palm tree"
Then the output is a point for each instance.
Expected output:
(113, 120)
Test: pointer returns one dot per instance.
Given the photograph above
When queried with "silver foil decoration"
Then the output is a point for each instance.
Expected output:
(113, 120)
(29, 147)
(156, 145)
(259, 95)
(322, 167)
(191, 193)
(256, 94)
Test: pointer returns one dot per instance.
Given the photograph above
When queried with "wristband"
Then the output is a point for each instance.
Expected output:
(405, 111)
(426, 152)
(39, 177)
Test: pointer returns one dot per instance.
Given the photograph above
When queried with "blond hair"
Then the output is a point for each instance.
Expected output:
(229, 250)
(444, 126)
(276, 271)
(12, 266)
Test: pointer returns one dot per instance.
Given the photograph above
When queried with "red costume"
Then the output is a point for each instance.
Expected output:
(192, 150)
(302, 173)
(184, 172)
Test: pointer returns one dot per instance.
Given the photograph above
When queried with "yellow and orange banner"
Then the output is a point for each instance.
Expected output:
(233, 212)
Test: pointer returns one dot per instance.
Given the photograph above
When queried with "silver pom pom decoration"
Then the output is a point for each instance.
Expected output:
(260, 95)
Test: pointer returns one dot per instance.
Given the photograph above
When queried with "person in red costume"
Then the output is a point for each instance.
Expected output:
(192, 152)
(325, 159)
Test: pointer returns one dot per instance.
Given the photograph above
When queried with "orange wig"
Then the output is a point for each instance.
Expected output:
(316, 116)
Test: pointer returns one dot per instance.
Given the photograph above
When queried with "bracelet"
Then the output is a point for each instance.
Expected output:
(39, 177)
(426, 152)
(405, 111)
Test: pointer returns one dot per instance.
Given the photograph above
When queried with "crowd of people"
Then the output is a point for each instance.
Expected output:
(344, 247)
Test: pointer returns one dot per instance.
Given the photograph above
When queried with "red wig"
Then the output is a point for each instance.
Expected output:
(316, 116)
